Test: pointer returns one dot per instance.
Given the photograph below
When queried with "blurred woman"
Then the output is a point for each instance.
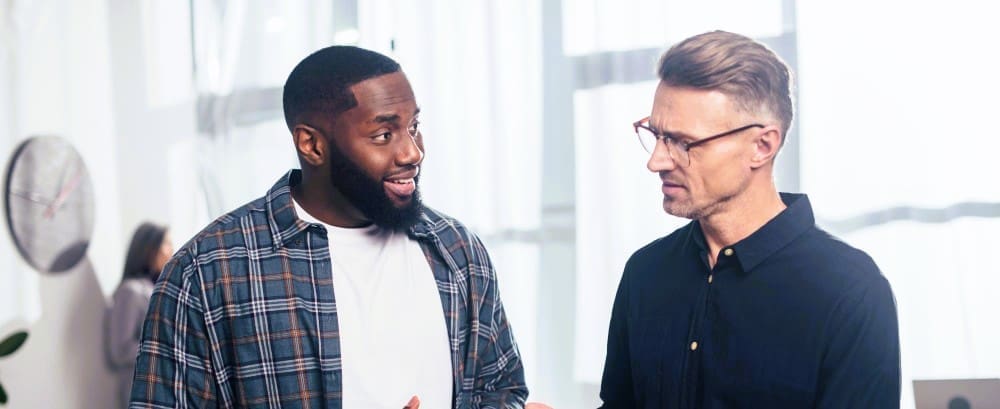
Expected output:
(147, 254)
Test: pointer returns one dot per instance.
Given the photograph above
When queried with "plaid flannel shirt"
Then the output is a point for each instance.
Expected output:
(244, 316)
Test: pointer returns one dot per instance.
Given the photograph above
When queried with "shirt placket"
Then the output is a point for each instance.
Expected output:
(698, 332)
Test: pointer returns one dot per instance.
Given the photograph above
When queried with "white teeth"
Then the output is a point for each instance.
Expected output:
(402, 181)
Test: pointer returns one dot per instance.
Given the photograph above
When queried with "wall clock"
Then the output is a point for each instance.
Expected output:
(50, 203)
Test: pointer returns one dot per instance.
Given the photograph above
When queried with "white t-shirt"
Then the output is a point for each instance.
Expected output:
(393, 338)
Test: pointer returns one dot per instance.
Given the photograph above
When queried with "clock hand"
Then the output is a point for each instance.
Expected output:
(63, 195)
(62, 178)
(31, 197)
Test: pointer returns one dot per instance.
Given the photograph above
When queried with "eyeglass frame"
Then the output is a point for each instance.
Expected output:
(660, 136)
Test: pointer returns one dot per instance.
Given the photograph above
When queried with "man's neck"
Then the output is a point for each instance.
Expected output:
(319, 198)
(741, 217)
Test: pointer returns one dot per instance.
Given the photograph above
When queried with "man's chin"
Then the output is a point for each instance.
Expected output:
(411, 210)
(401, 203)
(678, 210)
(403, 215)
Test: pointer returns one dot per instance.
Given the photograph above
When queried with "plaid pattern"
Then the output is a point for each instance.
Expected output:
(244, 316)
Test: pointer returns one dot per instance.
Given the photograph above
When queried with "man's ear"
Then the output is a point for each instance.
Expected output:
(766, 145)
(310, 144)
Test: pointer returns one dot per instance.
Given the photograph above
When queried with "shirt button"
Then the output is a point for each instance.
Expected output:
(710, 279)
(694, 345)
(728, 252)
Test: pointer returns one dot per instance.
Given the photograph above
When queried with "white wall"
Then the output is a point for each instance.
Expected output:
(154, 113)
(77, 69)
(62, 363)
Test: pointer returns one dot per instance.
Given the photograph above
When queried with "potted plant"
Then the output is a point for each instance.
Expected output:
(7, 347)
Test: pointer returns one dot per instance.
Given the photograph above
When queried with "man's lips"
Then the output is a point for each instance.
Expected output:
(408, 173)
(402, 188)
(670, 187)
(402, 184)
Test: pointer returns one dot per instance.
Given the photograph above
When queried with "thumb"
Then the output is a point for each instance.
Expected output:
(414, 403)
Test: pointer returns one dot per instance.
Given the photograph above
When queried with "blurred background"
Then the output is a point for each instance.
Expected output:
(527, 105)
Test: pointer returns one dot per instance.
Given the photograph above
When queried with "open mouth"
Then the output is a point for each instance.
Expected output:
(401, 185)
(401, 188)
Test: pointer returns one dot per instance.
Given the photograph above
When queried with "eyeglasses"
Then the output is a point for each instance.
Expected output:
(677, 149)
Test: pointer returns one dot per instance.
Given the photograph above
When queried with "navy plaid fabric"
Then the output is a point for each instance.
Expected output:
(244, 316)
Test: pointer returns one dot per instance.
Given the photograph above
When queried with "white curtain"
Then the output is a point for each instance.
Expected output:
(56, 80)
(899, 153)
(243, 52)
(10, 269)
(591, 26)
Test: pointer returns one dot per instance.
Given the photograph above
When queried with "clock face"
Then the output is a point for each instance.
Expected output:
(50, 203)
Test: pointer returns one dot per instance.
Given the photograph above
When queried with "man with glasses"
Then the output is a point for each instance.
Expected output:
(750, 305)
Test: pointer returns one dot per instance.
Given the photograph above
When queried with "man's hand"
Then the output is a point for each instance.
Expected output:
(414, 403)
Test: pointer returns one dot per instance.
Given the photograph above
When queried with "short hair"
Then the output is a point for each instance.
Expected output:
(321, 81)
(146, 242)
(745, 70)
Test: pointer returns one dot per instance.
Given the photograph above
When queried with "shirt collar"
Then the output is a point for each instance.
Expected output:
(286, 224)
(796, 219)
(281, 217)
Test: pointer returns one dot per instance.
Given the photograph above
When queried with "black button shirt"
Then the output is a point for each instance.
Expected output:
(790, 317)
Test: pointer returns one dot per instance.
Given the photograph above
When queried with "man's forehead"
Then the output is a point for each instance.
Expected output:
(388, 94)
(387, 86)
(684, 110)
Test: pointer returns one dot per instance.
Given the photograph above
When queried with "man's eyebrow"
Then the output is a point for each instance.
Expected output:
(676, 135)
(391, 118)
(388, 118)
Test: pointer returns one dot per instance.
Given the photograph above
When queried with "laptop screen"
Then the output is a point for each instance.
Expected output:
(957, 394)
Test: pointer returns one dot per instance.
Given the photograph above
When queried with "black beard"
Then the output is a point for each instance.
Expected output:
(368, 195)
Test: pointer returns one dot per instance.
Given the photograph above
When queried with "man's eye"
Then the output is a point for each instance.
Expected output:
(382, 137)
(669, 138)
(673, 141)
(414, 128)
